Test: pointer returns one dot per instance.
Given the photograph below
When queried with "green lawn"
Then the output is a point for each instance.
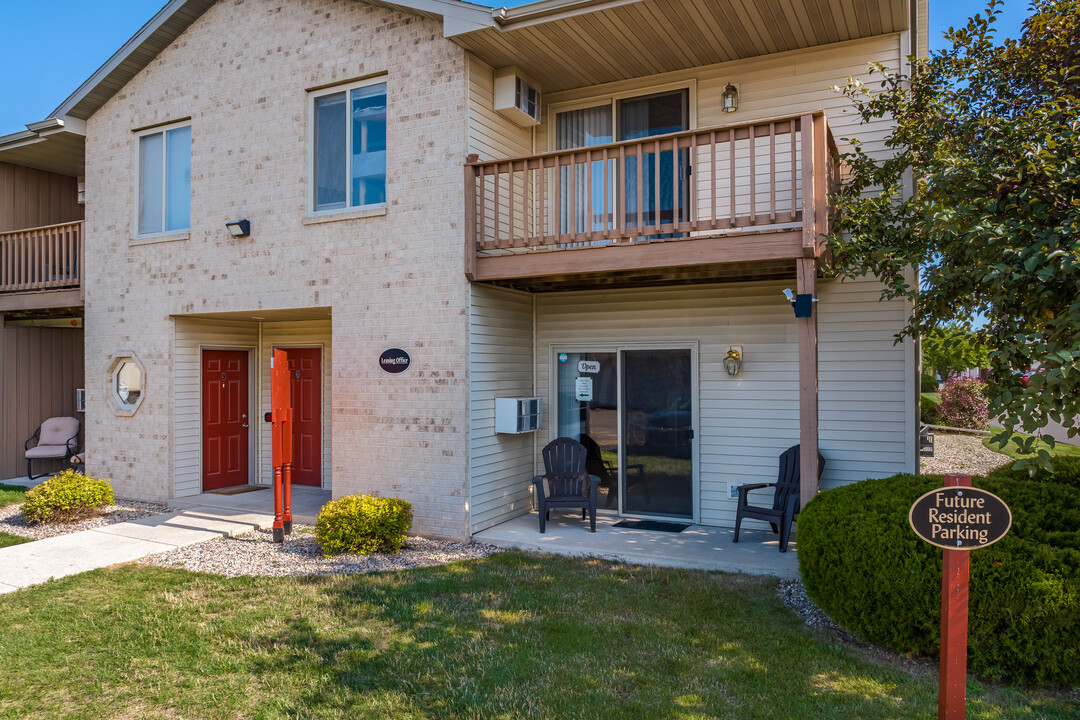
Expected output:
(934, 397)
(11, 494)
(7, 539)
(1060, 449)
(510, 636)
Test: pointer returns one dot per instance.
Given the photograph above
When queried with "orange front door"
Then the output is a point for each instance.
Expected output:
(225, 418)
(305, 373)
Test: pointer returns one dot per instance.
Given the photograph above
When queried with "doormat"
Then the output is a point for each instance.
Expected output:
(239, 489)
(652, 525)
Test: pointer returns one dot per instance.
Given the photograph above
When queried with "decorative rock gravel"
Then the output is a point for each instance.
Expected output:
(256, 553)
(13, 521)
(962, 454)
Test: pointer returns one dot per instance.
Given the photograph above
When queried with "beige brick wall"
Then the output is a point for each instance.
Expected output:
(241, 73)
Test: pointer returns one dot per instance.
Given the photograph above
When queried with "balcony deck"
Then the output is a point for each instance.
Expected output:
(41, 267)
(729, 202)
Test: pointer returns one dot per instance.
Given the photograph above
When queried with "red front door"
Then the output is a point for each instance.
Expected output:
(305, 373)
(225, 418)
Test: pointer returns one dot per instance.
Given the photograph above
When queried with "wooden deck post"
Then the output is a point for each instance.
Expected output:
(808, 384)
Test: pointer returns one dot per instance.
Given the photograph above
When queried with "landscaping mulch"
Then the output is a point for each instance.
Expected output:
(13, 521)
(961, 454)
(256, 553)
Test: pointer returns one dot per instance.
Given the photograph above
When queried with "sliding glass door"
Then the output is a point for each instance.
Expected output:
(658, 191)
(632, 409)
(669, 194)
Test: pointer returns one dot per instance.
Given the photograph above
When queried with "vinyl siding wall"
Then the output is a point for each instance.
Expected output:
(772, 86)
(191, 336)
(745, 422)
(501, 365)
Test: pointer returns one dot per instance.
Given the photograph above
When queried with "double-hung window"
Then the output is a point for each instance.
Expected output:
(349, 141)
(164, 202)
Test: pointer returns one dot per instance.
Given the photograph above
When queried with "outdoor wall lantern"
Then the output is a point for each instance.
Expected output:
(802, 304)
(239, 228)
(729, 101)
(733, 361)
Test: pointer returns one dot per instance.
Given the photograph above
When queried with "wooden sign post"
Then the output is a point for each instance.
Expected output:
(957, 518)
(281, 442)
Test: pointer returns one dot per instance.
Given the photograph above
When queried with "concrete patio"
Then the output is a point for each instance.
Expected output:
(306, 502)
(697, 547)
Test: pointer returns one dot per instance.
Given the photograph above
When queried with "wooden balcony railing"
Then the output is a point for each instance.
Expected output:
(770, 175)
(42, 258)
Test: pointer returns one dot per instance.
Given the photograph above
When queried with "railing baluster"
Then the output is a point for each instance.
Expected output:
(712, 179)
(640, 189)
(753, 177)
(619, 208)
(589, 194)
(656, 186)
(731, 176)
(794, 172)
(605, 217)
(542, 218)
(510, 203)
(772, 172)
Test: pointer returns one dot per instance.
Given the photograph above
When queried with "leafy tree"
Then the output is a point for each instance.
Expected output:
(951, 349)
(981, 192)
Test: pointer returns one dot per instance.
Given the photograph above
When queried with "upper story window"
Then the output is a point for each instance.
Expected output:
(349, 147)
(164, 202)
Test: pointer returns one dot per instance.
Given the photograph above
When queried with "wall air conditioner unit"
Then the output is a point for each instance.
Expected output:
(518, 415)
(80, 400)
(517, 96)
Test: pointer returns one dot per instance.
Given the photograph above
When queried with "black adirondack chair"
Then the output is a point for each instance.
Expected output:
(785, 500)
(569, 485)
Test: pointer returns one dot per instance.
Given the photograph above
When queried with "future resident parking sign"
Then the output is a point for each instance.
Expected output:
(960, 518)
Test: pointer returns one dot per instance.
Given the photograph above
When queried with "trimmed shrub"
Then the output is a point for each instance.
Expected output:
(67, 497)
(928, 382)
(1065, 470)
(928, 411)
(363, 524)
(963, 404)
(861, 562)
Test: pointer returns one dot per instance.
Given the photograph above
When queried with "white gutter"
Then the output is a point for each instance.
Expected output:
(549, 10)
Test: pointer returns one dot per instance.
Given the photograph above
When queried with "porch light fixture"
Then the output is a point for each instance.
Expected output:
(729, 101)
(239, 228)
(733, 361)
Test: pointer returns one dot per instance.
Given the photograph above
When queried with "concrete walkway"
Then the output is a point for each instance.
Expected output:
(697, 547)
(35, 562)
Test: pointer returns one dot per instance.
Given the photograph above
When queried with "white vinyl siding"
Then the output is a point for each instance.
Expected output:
(190, 336)
(777, 85)
(314, 333)
(501, 365)
(748, 420)
(492, 136)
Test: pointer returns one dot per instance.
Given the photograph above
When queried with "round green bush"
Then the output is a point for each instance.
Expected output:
(864, 566)
(928, 383)
(67, 497)
(928, 411)
(363, 524)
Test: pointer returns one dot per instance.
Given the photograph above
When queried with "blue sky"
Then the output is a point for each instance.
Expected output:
(48, 49)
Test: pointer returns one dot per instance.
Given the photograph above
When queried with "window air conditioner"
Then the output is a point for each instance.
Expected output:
(517, 96)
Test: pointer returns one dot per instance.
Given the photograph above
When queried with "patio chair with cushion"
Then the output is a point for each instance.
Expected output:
(569, 485)
(785, 504)
(56, 439)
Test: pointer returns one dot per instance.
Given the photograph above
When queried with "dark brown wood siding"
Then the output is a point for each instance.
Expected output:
(40, 368)
(32, 198)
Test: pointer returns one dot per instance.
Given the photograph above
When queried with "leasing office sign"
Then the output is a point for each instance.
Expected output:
(960, 518)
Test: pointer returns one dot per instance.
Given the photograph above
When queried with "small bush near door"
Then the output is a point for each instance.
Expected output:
(862, 563)
(67, 497)
(363, 524)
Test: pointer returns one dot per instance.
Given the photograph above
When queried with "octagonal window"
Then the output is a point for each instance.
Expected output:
(128, 384)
